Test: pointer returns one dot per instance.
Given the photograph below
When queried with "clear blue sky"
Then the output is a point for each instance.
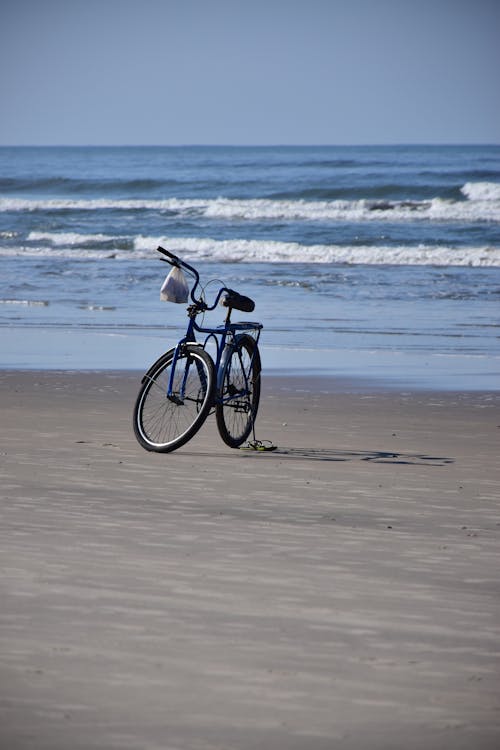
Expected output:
(249, 71)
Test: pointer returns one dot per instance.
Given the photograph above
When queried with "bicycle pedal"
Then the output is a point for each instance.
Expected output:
(176, 400)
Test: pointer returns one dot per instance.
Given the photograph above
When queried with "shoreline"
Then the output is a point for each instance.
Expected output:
(45, 349)
(342, 589)
(312, 380)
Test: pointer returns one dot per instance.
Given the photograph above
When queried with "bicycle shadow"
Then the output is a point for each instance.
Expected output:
(373, 456)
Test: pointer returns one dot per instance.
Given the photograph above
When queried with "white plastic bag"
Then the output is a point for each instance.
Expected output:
(175, 287)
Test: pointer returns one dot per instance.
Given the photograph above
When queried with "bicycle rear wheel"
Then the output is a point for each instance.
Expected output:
(163, 423)
(239, 391)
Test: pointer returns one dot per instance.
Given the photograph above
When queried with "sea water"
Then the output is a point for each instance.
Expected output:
(380, 263)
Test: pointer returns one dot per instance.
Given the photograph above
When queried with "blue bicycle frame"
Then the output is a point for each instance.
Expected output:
(219, 334)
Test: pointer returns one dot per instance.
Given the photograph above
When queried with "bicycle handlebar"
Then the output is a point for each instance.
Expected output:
(231, 299)
(174, 260)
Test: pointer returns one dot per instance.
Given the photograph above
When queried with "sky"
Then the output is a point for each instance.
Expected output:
(256, 72)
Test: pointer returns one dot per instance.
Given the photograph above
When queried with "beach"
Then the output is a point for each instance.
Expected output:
(340, 591)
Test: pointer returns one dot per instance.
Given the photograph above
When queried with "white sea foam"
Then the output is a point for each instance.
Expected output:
(482, 191)
(68, 239)
(70, 204)
(482, 203)
(255, 251)
(26, 302)
(252, 251)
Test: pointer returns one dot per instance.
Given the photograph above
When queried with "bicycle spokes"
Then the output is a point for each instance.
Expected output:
(240, 391)
(179, 390)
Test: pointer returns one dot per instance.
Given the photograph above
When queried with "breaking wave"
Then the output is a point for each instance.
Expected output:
(82, 246)
(481, 203)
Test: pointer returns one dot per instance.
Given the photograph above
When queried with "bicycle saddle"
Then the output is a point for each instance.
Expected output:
(237, 301)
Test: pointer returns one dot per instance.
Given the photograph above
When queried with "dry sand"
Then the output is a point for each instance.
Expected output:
(341, 592)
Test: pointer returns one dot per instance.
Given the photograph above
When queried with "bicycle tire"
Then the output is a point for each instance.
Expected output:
(162, 424)
(239, 391)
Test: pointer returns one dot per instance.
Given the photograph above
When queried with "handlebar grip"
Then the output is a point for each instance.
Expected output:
(173, 258)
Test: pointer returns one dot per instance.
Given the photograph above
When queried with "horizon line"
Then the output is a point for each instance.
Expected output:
(396, 144)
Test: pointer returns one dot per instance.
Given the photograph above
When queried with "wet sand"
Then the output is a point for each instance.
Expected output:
(340, 592)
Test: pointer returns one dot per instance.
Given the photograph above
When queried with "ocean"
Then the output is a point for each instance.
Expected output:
(370, 264)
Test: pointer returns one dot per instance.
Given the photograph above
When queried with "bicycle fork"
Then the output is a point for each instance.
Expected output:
(179, 397)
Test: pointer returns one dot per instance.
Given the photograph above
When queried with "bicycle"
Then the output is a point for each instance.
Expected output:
(185, 384)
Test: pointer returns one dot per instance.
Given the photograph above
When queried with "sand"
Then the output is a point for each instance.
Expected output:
(340, 592)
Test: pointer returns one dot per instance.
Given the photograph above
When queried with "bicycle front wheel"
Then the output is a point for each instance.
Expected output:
(239, 391)
(164, 422)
